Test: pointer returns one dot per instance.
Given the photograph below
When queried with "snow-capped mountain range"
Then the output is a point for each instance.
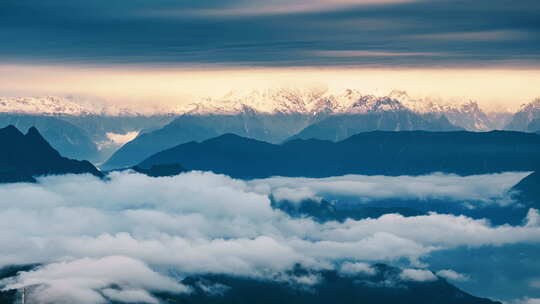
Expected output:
(466, 114)
(300, 101)
(57, 105)
(48, 105)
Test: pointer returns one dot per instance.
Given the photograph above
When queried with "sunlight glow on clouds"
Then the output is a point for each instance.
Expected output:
(148, 87)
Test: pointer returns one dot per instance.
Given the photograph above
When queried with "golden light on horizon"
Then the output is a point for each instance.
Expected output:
(144, 86)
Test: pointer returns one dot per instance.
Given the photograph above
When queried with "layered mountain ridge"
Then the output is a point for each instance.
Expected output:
(272, 115)
(279, 115)
(369, 153)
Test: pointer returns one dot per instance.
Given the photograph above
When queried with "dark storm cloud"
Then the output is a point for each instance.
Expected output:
(272, 33)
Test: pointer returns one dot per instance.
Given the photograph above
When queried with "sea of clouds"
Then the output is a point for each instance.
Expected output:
(130, 231)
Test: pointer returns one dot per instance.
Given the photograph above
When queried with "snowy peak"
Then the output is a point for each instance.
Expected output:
(526, 115)
(531, 109)
(533, 105)
(49, 105)
(305, 101)
(286, 101)
(295, 101)
(55, 105)
(372, 104)
(313, 102)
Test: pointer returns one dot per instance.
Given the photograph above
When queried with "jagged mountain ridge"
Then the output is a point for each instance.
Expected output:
(69, 139)
(467, 115)
(59, 105)
(277, 115)
(272, 115)
(86, 136)
(25, 156)
(526, 119)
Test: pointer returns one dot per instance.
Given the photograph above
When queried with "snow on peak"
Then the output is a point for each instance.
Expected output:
(49, 105)
(306, 101)
(531, 106)
(310, 101)
(56, 105)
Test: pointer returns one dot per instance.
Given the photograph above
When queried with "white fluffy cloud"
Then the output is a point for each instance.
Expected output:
(90, 280)
(418, 275)
(488, 188)
(349, 268)
(115, 140)
(197, 223)
(452, 275)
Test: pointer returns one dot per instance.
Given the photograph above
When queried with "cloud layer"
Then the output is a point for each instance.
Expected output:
(486, 189)
(90, 280)
(201, 223)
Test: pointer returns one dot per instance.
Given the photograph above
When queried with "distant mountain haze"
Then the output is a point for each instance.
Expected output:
(273, 115)
(534, 125)
(277, 115)
(100, 128)
(83, 136)
(69, 139)
(524, 119)
(339, 127)
(187, 128)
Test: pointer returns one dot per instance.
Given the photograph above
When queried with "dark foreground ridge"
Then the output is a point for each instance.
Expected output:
(25, 156)
(160, 170)
(370, 153)
(274, 128)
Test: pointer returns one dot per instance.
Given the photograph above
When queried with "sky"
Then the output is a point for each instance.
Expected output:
(175, 50)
